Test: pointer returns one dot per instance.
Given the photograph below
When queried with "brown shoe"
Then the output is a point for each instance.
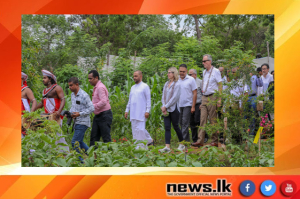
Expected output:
(197, 144)
(214, 144)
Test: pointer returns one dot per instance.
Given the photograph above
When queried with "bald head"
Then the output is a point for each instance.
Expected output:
(139, 72)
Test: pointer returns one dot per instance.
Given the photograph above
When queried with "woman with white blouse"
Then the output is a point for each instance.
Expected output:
(170, 108)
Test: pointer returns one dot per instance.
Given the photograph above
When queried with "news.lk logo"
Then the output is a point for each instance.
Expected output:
(201, 189)
(288, 188)
(268, 188)
(247, 188)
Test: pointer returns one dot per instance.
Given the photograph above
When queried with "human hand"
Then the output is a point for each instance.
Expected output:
(75, 114)
(219, 103)
(192, 109)
(126, 115)
(146, 115)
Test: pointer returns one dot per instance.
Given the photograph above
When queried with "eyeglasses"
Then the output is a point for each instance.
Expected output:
(170, 72)
(205, 61)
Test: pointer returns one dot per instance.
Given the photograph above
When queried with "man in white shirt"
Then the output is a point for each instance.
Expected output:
(139, 104)
(211, 83)
(187, 100)
(266, 77)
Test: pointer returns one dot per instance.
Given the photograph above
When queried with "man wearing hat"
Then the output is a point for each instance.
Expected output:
(53, 99)
(26, 97)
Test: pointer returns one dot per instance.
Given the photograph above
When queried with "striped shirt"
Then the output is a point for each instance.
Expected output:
(84, 106)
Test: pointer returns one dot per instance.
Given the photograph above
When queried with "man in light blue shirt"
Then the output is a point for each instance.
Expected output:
(81, 109)
(187, 100)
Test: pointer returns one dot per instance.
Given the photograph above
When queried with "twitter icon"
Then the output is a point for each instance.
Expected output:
(268, 188)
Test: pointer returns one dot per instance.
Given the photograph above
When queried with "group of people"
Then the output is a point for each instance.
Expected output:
(186, 102)
(53, 102)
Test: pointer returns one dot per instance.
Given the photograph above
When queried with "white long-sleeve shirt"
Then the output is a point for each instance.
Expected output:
(139, 101)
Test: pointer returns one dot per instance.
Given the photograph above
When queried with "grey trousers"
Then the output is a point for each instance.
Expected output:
(184, 121)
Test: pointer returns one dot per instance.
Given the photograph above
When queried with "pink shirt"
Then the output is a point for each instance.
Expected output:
(100, 98)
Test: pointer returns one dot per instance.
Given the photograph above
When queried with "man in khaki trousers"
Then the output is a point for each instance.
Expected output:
(211, 83)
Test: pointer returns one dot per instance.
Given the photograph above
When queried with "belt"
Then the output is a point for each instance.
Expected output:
(252, 95)
(208, 95)
(103, 112)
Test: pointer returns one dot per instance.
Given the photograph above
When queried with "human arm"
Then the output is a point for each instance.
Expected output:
(176, 95)
(163, 107)
(128, 105)
(89, 107)
(30, 96)
(39, 105)
(194, 101)
(61, 96)
(220, 86)
(147, 93)
(102, 96)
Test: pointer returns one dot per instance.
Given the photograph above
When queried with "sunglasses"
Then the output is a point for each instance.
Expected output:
(190, 74)
(205, 61)
(170, 72)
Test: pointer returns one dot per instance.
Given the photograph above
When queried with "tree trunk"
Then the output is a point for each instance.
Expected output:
(197, 28)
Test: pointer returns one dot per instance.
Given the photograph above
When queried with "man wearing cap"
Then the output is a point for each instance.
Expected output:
(26, 97)
(53, 99)
(211, 83)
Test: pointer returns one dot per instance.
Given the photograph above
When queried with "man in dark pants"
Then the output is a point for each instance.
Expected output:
(103, 115)
(187, 100)
(195, 117)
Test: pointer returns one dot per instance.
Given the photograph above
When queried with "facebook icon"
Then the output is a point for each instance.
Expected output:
(247, 188)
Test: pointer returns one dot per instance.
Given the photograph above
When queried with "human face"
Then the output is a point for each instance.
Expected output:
(221, 69)
(192, 74)
(170, 75)
(73, 87)
(264, 69)
(137, 77)
(46, 80)
(206, 63)
(93, 80)
(182, 72)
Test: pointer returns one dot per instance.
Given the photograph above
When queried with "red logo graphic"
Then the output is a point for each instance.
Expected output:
(288, 188)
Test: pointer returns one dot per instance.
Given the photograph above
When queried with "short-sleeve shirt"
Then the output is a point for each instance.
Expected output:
(214, 79)
(187, 86)
(266, 81)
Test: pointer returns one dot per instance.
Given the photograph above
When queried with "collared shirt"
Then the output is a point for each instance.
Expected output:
(188, 85)
(214, 79)
(239, 89)
(100, 98)
(171, 102)
(84, 106)
(199, 91)
(266, 81)
(139, 101)
(255, 84)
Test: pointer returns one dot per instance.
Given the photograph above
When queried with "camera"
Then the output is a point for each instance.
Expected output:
(69, 116)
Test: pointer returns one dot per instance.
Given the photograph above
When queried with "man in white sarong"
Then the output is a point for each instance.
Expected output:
(26, 97)
(53, 100)
(139, 105)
